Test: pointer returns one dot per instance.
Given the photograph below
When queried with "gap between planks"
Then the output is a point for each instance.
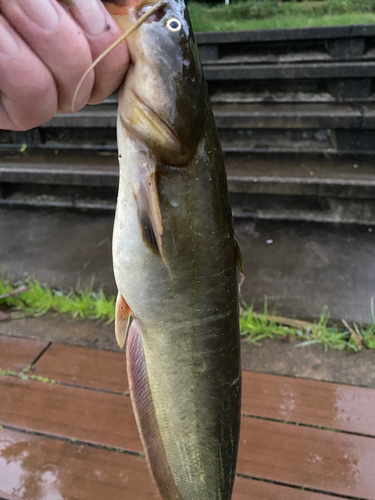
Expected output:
(326, 461)
(107, 474)
(284, 399)
(290, 400)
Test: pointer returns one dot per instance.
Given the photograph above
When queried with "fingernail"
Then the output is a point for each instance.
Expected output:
(8, 42)
(41, 12)
(90, 16)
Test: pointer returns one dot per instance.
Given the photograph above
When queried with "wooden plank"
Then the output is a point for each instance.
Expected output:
(347, 408)
(17, 354)
(28, 463)
(72, 412)
(334, 406)
(83, 366)
(250, 489)
(322, 460)
(36, 468)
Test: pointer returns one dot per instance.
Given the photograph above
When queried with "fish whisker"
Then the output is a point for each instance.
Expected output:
(141, 20)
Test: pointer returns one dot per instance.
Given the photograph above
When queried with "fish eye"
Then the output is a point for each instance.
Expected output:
(173, 24)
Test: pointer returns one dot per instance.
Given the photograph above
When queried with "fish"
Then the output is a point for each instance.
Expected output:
(175, 257)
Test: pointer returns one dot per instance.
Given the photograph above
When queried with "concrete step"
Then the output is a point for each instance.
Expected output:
(320, 189)
(262, 127)
(295, 116)
(303, 208)
(284, 52)
(48, 200)
(298, 141)
(340, 177)
(298, 90)
(69, 170)
(291, 96)
(252, 54)
(282, 34)
(340, 43)
(257, 115)
(343, 176)
(290, 71)
(244, 126)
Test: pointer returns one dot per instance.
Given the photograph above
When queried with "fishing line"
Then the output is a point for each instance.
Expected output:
(136, 25)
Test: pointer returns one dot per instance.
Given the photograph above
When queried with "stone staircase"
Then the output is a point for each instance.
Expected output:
(295, 110)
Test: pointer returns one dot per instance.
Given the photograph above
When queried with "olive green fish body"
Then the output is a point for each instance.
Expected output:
(175, 266)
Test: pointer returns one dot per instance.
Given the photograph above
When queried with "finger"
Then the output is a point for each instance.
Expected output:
(59, 43)
(27, 88)
(101, 31)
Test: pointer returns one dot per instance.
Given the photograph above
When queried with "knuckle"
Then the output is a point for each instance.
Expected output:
(41, 88)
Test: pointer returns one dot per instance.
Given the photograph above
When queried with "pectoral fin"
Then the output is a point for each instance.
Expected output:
(122, 320)
(145, 415)
(143, 177)
(149, 214)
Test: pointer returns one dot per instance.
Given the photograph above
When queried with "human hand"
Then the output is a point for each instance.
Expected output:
(45, 48)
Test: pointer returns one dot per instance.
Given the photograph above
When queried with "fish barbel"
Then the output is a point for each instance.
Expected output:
(174, 255)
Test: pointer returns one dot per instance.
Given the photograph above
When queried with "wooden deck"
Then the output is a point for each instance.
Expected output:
(71, 434)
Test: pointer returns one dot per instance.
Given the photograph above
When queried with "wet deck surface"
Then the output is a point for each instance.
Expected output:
(69, 432)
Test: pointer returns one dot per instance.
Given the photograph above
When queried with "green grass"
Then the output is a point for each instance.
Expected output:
(40, 299)
(268, 14)
(256, 327)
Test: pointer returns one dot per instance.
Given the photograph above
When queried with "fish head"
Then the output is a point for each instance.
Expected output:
(163, 101)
